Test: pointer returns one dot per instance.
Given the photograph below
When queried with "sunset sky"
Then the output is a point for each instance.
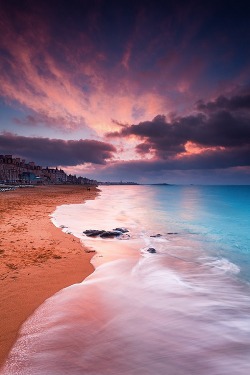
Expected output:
(146, 91)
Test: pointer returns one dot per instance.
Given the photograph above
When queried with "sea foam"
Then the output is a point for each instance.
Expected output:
(181, 310)
(139, 318)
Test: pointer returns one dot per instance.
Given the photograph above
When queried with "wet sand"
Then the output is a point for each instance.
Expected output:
(36, 258)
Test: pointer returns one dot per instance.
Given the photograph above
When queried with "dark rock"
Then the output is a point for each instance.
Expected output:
(110, 234)
(105, 233)
(93, 232)
(172, 233)
(156, 235)
(124, 236)
(122, 230)
(151, 250)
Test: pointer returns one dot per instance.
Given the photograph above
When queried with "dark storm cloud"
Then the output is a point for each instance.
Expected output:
(209, 160)
(222, 127)
(54, 152)
(158, 135)
(232, 104)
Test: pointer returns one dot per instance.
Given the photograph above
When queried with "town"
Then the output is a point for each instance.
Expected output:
(17, 171)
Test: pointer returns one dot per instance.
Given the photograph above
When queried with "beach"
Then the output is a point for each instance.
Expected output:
(181, 309)
(37, 259)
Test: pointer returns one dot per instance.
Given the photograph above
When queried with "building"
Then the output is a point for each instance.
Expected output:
(54, 175)
(17, 171)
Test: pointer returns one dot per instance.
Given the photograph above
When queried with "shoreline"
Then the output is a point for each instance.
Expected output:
(37, 258)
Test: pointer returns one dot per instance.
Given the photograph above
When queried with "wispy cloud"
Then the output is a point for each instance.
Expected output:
(98, 67)
(76, 71)
(65, 81)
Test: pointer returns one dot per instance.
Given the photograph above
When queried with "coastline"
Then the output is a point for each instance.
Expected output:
(37, 258)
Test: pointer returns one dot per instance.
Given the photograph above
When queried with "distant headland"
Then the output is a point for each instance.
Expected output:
(118, 183)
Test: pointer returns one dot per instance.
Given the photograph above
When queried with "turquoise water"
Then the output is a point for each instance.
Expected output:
(182, 310)
(220, 215)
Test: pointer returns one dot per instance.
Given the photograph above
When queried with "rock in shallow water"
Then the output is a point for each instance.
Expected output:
(123, 230)
(110, 233)
(93, 232)
(105, 233)
(151, 250)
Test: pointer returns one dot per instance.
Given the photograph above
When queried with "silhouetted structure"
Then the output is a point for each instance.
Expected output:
(17, 171)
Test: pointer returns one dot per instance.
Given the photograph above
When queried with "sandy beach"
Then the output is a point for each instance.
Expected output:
(37, 259)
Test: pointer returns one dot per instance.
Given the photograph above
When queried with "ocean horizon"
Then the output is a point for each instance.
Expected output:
(182, 308)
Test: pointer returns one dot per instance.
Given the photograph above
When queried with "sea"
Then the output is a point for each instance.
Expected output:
(180, 309)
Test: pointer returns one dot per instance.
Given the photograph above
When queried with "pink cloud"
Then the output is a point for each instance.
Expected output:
(80, 92)
(79, 89)
(74, 83)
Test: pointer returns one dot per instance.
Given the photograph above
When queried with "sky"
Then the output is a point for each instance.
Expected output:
(145, 91)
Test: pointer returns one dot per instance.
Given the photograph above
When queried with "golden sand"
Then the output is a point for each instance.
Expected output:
(36, 258)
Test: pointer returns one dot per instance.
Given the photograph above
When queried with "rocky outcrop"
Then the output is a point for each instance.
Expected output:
(123, 230)
(110, 234)
(93, 232)
(117, 232)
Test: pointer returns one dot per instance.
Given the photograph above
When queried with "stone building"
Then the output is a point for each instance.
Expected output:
(12, 169)
(17, 171)
(54, 175)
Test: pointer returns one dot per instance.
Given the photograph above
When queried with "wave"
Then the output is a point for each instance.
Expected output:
(139, 317)
(177, 310)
